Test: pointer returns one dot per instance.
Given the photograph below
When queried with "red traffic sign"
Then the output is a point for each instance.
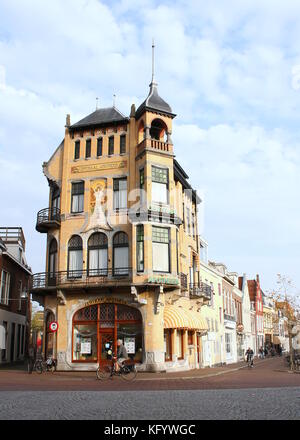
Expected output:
(53, 326)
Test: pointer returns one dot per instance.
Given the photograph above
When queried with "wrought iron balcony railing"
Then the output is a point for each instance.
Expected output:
(200, 290)
(71, 278)
(48, 218)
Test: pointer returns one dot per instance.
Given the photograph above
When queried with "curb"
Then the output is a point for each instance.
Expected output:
(219, 373)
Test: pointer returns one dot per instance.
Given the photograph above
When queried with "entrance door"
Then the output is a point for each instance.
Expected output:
(106, 343)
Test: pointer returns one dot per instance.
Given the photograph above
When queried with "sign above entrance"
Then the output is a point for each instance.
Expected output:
(53, 326)
(163, 280)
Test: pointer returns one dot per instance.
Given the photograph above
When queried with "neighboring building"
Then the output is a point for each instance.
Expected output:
(238, 298)
(122, 258)
(230, 313)
(281, 333)
(14, 296)
(268, 310)
(213, 350)
(246, 313)
(255, 294)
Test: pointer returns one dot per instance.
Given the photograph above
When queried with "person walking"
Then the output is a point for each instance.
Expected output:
(250, 353)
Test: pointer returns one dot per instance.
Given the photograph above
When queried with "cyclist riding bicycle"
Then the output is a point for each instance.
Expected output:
(121, 354)
(250, 353)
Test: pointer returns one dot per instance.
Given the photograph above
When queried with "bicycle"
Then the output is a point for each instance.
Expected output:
(127, 370)
(250, 361)
(41, 366)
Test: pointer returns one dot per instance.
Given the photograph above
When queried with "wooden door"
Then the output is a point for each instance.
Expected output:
(106, 343)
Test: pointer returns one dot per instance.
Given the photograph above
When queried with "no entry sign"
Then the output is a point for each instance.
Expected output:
(53, 326)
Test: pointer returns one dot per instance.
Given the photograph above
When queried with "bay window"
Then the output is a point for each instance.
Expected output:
(77, 197)
(160, 249)
(160, 185)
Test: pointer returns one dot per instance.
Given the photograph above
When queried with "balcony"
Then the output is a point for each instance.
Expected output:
(154, 145)
(81, 278)
(47, 218)
(200, 290)
(154, 215)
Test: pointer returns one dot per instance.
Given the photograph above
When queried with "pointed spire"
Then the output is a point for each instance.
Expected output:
(153, 47)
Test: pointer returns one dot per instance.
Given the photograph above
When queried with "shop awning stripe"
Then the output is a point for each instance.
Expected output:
(178, 317)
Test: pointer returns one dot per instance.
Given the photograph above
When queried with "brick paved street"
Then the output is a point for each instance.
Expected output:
(233, 392)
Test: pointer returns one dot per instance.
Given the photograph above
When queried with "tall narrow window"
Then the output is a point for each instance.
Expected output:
(160, 249)
(142, 186)
(111, 142)
(99, 147)
(55, 201)
(52, 262)
(167, 345)
(140, 248)
(160, 184)
(88, 148)
(4, 287)
(120, 253)
(122, 144)
(75, 261)
(77, 150)
(20, 295)
(97, 254)
(77, 197)
(120, 193)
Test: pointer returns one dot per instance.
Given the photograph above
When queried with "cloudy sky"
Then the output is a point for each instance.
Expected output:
(230, 71)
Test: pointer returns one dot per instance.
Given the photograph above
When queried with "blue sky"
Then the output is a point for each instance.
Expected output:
(230, 71)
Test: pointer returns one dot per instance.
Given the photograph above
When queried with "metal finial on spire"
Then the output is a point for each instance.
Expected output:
(114, 100)
(153, 46)
(97, 103)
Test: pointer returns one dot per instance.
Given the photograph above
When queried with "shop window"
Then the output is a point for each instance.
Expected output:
(120, 194)
(122, 144)
(75, 260)
(114, 321)
(4, 287)
(179, 340)
(160, 184)
(88, 148)
(120, 254)
(168, 345)
(77, 150)
(160, 249)
(99, 147)
(77, 202)
(111, 141)
(140, 248)
(97, 254)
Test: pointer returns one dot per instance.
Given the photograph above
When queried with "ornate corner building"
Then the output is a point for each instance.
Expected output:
(122, 244)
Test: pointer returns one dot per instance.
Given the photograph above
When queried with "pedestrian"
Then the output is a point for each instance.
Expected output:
(280, 350)
(266, 352)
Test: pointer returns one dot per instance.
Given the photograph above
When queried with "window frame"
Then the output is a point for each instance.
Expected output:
(97, 247)
(75, 193)
(4, 297)
(142, 234)
(77, 149)
(75, 248)
(120, 245)
(159, 181)
(169, 248)
(100, 146)
(88, 148)
(123, 144)
(117, 181)
(111, 145)
(169, 335)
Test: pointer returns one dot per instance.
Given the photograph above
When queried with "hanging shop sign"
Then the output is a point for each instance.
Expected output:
(163, 280)
(129, 344)
(53, 326)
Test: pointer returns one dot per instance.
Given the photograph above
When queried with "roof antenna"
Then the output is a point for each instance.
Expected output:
(97, 103)
(153, 46)
(114, 100)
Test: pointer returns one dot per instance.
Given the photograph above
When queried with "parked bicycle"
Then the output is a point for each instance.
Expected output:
(41, 366)
(127, 370)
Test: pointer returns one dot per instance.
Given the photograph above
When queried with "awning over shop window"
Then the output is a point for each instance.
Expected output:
(178, 317)
(278, 340)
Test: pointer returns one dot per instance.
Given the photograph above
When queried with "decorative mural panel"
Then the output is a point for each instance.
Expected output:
(97, 206)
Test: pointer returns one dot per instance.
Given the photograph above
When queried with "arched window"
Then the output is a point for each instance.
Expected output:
(75, 257)
(158, 130)
(120, 253)
(52, 262)
(97, 254)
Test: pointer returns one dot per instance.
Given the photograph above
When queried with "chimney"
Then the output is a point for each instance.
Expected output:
(68, 120)
(132, 112)
(257, 279)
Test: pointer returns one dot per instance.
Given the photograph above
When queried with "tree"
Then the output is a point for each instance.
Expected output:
(288, 301)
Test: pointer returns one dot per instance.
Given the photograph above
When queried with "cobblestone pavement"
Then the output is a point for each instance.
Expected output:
(249, 404)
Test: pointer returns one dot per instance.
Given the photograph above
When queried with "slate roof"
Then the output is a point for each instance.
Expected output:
(102, 116)
(154, 102)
